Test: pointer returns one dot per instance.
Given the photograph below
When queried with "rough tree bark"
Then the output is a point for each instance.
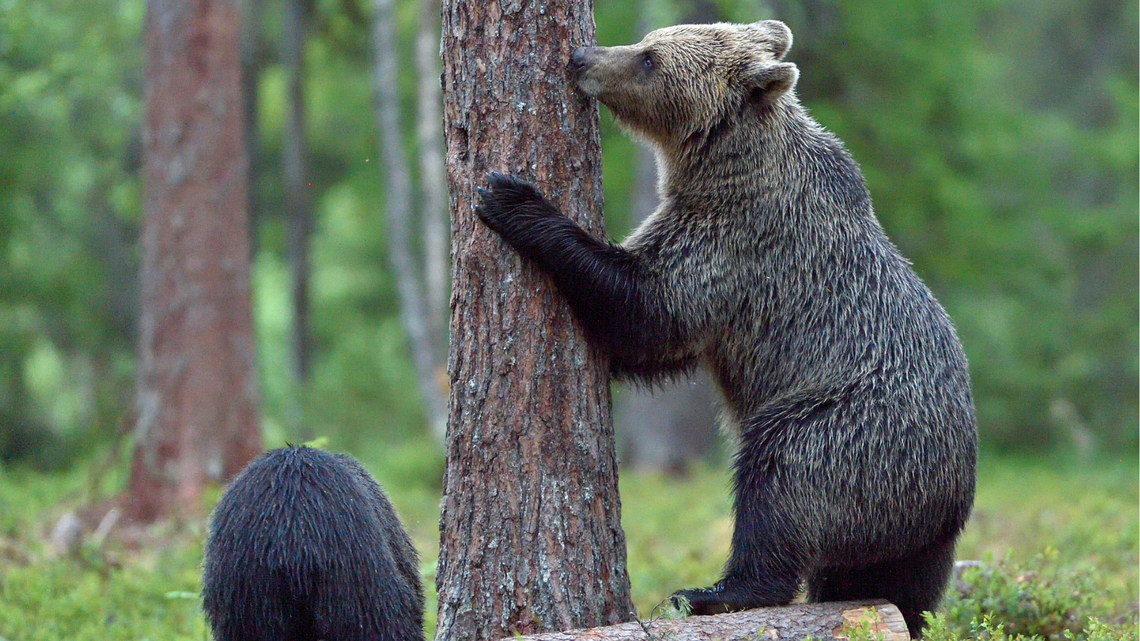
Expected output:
(788, 623)
(398, 200)
(433, 185)
(197, 390)
(531, 536)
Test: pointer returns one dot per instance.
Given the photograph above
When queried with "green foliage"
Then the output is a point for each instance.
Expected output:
(1000, 143)
(864, 630)
(1003, 162)
(1098, 631)
(88, 600)
(98, 594)
(999, 140)
(988, 629)
(1086, 521)
(1086, 512)
(678, 532)
(362, 385)
(1034, 599)
(70, 96)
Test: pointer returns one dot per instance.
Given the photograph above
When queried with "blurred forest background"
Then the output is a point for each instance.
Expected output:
(999, 138)
(1000, 141)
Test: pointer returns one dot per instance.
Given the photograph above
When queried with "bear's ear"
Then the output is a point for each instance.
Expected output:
(769, 81)
(773, 35)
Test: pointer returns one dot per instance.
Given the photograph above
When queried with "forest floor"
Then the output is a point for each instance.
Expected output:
(1060, 542)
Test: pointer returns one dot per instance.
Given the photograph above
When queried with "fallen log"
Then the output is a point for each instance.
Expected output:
(820, 621)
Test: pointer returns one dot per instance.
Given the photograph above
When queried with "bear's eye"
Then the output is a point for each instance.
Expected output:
(648, 64)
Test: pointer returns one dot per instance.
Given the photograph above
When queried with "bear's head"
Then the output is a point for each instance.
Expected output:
(683, 80)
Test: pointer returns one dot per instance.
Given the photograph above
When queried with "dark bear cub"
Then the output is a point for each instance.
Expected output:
(765, 264)
(304, 545)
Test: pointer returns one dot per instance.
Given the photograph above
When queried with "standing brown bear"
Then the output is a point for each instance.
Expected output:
(765, 264)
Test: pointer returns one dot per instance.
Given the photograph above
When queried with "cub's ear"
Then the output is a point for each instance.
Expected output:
(772, 35)
(768, 81)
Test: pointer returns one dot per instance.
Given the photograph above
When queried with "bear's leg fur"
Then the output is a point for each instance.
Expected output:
(765, 567)
(774, 550)
(769, 556)
(914, 583)
(762, 577)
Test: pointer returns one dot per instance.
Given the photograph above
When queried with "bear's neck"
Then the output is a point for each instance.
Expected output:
(758, 159)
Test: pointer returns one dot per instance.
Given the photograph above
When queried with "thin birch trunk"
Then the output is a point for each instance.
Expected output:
(298, 203)
(252, 60)
(398, 200)
(669, 426)
(433, 179)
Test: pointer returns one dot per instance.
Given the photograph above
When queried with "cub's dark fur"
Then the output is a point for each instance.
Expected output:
(765, 264)
(304, 545)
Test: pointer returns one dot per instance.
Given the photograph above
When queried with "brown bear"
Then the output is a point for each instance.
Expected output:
(765, 264)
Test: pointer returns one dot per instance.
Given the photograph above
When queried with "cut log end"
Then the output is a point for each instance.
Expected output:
(819, 621)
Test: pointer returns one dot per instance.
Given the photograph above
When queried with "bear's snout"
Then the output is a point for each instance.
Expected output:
(581, 59)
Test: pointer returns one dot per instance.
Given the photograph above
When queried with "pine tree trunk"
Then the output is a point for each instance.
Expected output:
(197, 387)
(531, 536)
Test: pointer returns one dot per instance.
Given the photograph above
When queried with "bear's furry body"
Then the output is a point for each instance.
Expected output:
(304, 545)
(765, 264)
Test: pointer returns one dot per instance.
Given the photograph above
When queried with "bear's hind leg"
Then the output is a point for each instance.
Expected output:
(769, 557)
(914, 583)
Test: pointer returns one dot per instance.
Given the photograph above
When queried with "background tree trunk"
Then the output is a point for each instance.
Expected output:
(398, 199)
(667, 427)
(298, 204)
(531, 534)
(252, 60)
(197, 390)
(433, 185)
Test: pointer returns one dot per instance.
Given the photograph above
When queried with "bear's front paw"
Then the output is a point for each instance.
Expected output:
(512, 207)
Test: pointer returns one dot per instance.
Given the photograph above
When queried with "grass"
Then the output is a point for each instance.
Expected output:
(678, 531)
(1060, 541)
